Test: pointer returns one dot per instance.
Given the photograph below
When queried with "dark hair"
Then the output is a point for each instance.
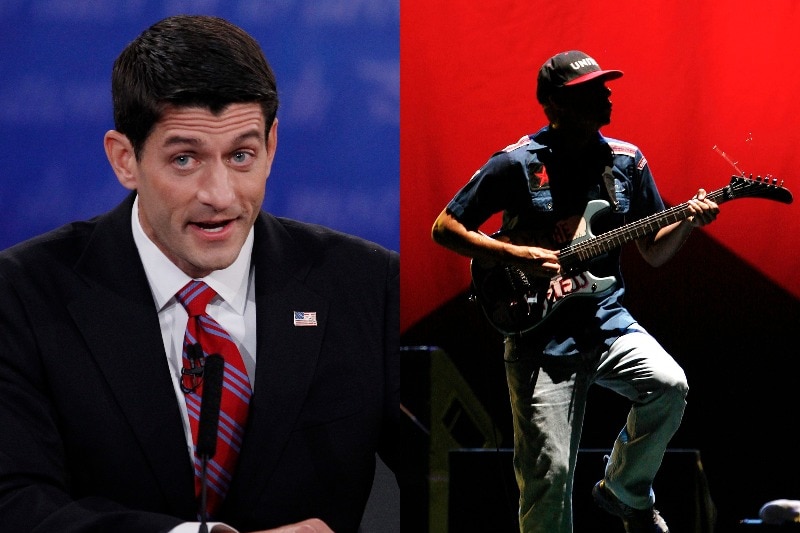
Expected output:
(188, 61)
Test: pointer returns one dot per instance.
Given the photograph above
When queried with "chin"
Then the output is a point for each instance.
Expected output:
(203, 266)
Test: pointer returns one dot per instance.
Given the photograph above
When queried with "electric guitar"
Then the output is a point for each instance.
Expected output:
(516, 302)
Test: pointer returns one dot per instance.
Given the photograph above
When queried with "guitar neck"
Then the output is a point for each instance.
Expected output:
(582, 251)
(515, 303)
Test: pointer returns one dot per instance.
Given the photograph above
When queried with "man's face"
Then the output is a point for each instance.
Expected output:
(585, 105)
(201, 180)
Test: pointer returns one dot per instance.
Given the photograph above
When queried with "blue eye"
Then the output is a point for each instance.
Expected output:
(240, 157)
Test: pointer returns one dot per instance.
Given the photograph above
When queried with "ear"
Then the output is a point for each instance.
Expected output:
(555, 100)
(119, 152)
(272, 144)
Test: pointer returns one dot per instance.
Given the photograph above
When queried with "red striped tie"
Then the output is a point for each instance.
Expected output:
(204, 331)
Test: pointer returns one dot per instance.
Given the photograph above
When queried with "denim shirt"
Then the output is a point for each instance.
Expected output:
(538, 184)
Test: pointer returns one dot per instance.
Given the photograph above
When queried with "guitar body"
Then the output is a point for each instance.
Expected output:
(514, 301)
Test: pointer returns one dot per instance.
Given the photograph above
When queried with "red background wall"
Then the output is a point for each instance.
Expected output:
(697, 75)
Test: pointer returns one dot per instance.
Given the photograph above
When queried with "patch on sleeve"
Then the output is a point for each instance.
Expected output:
(622, 148)
(537, 176)
(524, 141)
(642, 163)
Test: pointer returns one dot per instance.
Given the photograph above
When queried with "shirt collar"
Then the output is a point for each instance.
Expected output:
(166, 279)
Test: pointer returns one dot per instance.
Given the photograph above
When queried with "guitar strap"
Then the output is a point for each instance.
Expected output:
(608, 179)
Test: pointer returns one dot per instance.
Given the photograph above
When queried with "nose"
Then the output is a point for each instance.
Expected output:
(216, 187)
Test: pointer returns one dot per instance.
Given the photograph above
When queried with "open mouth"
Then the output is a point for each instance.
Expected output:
(212, 227)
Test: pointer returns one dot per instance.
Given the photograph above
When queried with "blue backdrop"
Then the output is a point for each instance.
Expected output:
(337, 66)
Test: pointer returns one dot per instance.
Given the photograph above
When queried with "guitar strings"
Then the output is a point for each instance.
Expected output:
(586, 250)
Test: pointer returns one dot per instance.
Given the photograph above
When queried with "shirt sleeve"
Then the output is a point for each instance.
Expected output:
(194, 527)
(498, 185)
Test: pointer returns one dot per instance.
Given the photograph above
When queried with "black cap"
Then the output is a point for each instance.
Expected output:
(567, 69)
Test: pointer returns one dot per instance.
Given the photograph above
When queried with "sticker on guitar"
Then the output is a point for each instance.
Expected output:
(515, 302)
(569, 230)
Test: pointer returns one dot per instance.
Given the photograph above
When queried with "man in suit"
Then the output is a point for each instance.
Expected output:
(98, 426)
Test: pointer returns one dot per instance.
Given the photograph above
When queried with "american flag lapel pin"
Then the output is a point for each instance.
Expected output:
(305, 318)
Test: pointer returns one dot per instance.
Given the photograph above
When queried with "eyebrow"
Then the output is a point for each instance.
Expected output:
(178, 139)
(194, 141)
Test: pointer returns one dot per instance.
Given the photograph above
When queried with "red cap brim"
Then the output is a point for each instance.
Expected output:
(603, 74)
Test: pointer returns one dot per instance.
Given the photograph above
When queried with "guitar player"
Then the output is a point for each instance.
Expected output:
(542, 184)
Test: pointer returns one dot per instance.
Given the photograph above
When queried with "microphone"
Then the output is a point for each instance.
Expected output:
(206, 446)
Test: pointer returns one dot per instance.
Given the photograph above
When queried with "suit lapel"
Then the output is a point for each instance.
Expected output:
(125, 341)
(286, 357)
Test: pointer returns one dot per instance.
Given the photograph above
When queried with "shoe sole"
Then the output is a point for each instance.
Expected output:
(603, 500)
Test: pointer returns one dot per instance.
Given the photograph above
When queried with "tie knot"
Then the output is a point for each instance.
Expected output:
(194, 296)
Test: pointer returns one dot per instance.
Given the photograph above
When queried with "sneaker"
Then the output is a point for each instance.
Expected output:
(780, 511)
(634, 520)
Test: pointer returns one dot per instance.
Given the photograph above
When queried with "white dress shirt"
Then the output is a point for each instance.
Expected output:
(234, 309)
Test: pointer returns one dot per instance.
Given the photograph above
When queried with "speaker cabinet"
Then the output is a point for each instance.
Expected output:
(437, 419)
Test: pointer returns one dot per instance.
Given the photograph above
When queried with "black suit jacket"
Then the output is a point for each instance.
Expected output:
(90, 431)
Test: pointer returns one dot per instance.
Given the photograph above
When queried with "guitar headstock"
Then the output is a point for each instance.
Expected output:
(767, 187)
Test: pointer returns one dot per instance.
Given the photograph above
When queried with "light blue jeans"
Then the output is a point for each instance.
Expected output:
(548, 400)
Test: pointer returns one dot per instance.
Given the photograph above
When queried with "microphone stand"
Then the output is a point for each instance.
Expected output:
(208, 426)
(203, 492)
